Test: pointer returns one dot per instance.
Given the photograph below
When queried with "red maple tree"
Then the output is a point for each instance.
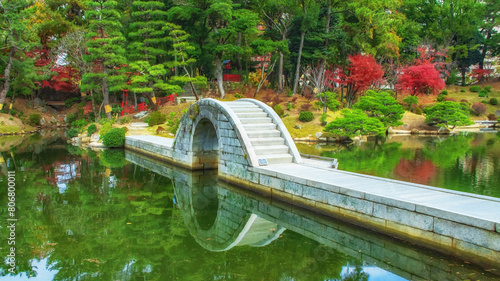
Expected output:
(420, 79)
(480, 74)
(362, 72)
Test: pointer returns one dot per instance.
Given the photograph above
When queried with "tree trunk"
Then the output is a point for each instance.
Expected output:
(238, 58)
(12, 100)
(462, 71)
(105, 99)
(281, 65)
(218, 76)
(193, 88)
(94, 109)
(6, 76)
(297, 69)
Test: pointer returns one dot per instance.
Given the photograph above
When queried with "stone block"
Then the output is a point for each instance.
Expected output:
(252, 176)
(352, 192)
(271, 182)
(477, 252)
(390, 202)
(292, 188)
(350, 203)
(473, 235)
(403, 217)
(453, 216)
(313, 226)
(323, 185)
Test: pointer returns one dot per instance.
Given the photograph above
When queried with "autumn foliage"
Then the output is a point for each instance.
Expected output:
(480, 73)
(362, 72)
(420, 79)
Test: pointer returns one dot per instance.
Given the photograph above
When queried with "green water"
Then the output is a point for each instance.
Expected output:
(468, 163)
(112, 215)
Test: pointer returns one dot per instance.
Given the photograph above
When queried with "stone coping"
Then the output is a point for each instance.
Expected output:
(470, 209)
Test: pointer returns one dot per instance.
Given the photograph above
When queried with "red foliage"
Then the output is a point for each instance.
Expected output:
(480, 108)
(417, 171)
(41, 57)
(65, 79)
(480, 73)
(418, 79)
(305, 106)
(363, 71)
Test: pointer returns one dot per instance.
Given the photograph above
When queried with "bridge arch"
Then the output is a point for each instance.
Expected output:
(232, 136)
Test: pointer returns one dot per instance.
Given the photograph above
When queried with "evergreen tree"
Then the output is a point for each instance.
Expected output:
(105, 48)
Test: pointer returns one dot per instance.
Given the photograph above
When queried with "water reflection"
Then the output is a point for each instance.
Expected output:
(243, 216)
(115, 220)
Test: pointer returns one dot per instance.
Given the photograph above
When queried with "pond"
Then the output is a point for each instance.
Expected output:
(116, 215)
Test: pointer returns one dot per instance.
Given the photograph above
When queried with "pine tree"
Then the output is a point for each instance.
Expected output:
(148, 50)
(105, 48)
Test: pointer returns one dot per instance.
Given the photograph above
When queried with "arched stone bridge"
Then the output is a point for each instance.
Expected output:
(232, 136)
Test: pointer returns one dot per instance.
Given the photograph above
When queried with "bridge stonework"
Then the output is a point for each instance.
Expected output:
(212, 135)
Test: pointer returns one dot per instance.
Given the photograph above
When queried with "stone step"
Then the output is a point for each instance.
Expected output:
(264, 133)
(256, 120)
(242, 105)
(259, 127)
(251, 114)
(271, 149)
(267, 141)
(247, 109)
(277, 158)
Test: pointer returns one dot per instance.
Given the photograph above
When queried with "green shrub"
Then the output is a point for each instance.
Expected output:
(306, 116)
(441, 98)
(21, 114)
(157, 118)
(124, 120)
(73, 132)
(80, 123)
(475, 89)
(444, 92)
(70, 118)
(418, 111)
(463, 90)
(114, 138)
(488, 88)
(279, 110)
(91, 129)
(69, 102)
(104, 129)
(11, 119)
(238, 96)
(34, 119)
(323, 119)
(13, 112)
(483, 93)
(289, 106)
(104, 121)
(493, 101)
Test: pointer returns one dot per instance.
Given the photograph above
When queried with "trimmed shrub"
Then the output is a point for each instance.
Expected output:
(13, 112)
(323, 119)
(462, 91)
(305, 106)
(492, 117)
(475, 89)
(444, 92)
(73, 132)
(91, 129)
(289, 106)
(306, 116)
(441, 98)
(80, 123)
(34, 119)
(493, 101)
(279, 110)
(464, 100)
(483, 93)
(157, 118)
(104, 129)
(104, 121)
(114, 138)
(488, 88)
(418, 111)
(479, 108)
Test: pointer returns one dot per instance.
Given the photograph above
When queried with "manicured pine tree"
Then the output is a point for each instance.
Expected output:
(15, 37)
(105, 48)
(148, 50)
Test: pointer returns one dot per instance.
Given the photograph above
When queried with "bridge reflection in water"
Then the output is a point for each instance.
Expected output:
(220, 216)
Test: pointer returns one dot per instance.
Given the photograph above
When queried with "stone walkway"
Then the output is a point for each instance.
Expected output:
(475, 210)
